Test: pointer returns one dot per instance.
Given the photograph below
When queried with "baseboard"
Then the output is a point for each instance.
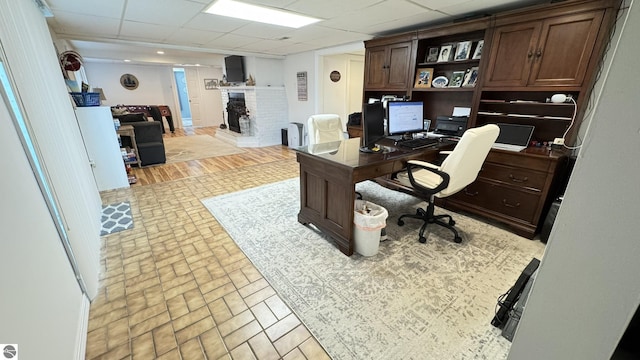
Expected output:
(83, 327)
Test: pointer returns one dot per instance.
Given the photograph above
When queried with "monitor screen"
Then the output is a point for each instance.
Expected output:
(405, 117)
(372, 123)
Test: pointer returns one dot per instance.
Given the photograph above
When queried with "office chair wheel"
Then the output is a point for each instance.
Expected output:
(457, 240)
(400, 222)
(452, 222)
(422, 239)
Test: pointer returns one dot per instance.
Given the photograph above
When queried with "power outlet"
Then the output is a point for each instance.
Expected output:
(558, 141)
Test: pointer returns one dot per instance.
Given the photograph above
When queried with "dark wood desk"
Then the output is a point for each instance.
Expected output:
(328, 174)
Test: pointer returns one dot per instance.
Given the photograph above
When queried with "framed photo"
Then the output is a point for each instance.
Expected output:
(210, 84)
(462, 50)
(445, 53)
(423, 78)
(456, 79)
(432, 54)
(470, 77)
(478, 52)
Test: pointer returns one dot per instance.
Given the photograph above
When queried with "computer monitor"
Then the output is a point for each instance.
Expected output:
(405, 117)
(372, 123)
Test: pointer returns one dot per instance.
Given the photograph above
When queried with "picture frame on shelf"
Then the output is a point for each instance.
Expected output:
(210, 84)
(478, 52)
(440, 82)
(471, 77)
(462, 50)
(457, 77)
(446, 52)
(423, 78)
(432, 54)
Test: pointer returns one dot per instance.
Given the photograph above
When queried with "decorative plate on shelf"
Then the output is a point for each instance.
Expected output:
(440, 82)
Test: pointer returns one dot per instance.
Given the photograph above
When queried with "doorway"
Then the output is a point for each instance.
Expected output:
(183, 96)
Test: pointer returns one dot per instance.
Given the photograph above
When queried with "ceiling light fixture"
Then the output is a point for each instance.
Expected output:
(160, 52)
(127, 60)
(261, 14)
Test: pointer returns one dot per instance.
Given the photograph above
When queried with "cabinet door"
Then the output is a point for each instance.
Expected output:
(398, 65)
(512, 52)
(564, 50)
(375, 67)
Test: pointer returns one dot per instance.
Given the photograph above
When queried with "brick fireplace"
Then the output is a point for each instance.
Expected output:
(267, 108)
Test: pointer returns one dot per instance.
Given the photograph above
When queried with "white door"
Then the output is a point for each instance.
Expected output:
(193, 86)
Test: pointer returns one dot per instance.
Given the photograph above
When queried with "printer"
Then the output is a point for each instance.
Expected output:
(451, 125)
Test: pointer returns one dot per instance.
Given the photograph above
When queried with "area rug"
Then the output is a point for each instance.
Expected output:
(409, 301)
(185, 148)
(116, 217)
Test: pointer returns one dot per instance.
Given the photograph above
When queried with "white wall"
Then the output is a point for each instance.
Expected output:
(299, 111)
(41, 300)
(587, 288)
(345, 96)
(41, 305)
(157, 87)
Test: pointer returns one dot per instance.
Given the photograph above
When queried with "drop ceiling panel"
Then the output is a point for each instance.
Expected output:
(111, 8)
(380, 13)
(192, 37)
(174, 12)
(328, 9)
(231, 41)
(132, 30)
(439, 4)
(87, 25)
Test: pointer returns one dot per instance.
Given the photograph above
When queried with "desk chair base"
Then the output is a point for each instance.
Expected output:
(429, 218)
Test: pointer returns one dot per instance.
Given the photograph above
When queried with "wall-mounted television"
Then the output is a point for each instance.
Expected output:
(234, 66)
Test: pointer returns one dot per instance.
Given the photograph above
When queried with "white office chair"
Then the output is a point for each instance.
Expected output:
(459, 169)
(322, 128)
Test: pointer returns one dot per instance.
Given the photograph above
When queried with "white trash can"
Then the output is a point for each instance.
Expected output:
(369, 219)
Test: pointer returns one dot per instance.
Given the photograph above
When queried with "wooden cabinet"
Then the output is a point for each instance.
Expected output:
(529, 54)
(549, 52)
(387, 66)
(513, 188)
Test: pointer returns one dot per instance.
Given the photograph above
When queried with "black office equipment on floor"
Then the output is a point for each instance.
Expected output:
(512, 296)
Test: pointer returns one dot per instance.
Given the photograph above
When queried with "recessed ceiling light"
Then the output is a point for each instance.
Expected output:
(160, 52)
(127, 60)
(244, 11)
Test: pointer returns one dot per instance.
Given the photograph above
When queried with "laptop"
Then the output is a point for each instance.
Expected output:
(513, 137)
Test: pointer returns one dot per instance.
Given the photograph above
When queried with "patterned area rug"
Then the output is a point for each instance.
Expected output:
(116, 217)
(185, 148)
(409, 301)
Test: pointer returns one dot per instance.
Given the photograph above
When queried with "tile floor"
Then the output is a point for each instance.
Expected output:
(177, 287)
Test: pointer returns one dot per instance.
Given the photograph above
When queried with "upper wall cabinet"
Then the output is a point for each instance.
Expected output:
(551, 52)
(388, 66)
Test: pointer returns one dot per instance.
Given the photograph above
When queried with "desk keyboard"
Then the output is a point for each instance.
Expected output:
(418, 143)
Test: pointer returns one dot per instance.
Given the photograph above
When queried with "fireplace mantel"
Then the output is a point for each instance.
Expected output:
(267, 107)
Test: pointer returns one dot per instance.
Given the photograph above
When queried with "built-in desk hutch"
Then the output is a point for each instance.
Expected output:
(527, 56)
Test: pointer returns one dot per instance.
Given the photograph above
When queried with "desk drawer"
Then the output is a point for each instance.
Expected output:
(519, 177)
(519, 160)
(500, 199)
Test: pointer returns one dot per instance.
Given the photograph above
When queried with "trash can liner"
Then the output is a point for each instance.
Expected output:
(369, 216)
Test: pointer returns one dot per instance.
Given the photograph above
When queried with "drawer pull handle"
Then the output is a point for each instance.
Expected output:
(515, 179)
(466, 192)
(505, 203)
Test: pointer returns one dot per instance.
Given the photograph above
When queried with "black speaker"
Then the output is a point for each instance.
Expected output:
(285, 137)
(549, 220)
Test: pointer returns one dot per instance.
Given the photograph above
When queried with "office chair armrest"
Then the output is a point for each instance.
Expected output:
(412, 164)
(423, 164)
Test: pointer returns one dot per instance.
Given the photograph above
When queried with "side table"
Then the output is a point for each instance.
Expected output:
(127, 130)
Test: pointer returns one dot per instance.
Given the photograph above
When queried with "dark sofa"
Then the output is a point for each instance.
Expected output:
(148, 138)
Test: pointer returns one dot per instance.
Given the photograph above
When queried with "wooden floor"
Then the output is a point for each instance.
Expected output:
(176, 286)
(174, 171)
